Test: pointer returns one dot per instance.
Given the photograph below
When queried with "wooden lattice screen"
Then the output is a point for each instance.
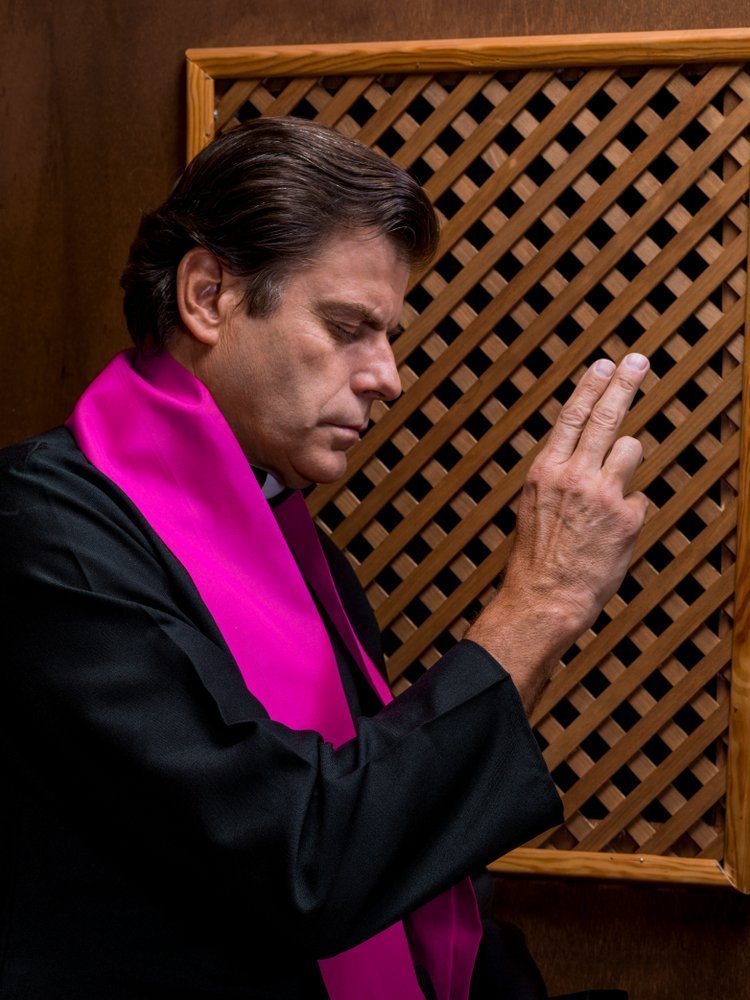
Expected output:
(593, 198)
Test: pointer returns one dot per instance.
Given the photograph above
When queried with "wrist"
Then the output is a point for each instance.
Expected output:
(527, 635)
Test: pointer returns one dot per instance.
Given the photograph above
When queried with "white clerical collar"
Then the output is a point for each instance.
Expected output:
(269, 486)
(272, 487)
(274, 491)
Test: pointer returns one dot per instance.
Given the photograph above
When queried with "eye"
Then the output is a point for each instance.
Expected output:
(346, 333)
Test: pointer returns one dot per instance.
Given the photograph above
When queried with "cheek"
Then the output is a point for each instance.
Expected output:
(334, 382)
(316, 389)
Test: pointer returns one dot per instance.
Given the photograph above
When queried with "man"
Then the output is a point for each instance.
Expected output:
(210, 793)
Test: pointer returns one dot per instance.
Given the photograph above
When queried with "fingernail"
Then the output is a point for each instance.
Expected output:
(637, 361)
(604, 367)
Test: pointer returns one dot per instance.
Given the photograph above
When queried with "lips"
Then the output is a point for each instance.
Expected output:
(347, 434)
(355, 425)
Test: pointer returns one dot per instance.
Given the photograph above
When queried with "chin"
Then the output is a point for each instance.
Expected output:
(325, 471)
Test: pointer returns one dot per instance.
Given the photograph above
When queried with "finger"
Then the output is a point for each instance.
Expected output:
(623, 460)
(566, 433)
(603, 426)
(639, 502)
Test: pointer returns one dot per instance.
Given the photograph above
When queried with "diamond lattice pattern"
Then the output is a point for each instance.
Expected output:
(583, 212)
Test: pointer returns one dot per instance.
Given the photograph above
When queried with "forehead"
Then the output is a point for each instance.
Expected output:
(360, 273)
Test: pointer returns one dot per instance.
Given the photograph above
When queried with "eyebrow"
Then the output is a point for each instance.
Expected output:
(358, 311)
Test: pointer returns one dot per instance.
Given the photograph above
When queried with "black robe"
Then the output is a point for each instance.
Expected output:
(161, 836)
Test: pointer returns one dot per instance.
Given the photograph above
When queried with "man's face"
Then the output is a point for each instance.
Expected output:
(296, 387)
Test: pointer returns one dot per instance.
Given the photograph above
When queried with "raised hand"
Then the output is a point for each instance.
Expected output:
(576, 529)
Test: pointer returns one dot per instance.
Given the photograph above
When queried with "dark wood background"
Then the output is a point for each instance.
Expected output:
(92, 131)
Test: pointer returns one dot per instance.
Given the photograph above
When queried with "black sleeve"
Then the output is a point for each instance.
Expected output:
(123, 707)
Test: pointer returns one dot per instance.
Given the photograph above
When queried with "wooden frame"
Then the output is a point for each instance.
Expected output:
(206, 66)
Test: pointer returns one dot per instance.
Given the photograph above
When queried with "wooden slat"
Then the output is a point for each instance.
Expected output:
(291, 95)
(441, 117)
(233, 100)
(200, 96)
(382, 119)
(676, 825)
(591, 864)
(738, 781)
(562, 114)
(596, 205)
(667, 771)
(470, 54)
(505, 112)
(651, 659)
(618, 628)
(338, 105)
(650, 724)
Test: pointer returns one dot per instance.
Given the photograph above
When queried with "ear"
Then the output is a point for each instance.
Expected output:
(201, 295)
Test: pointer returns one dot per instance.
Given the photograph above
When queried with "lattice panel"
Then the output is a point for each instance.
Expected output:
(583, 212)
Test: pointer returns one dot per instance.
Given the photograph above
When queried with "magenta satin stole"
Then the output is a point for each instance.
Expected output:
(159, 436)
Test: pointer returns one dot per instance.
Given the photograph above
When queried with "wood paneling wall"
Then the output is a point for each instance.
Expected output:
(657, 942)
(91, 132)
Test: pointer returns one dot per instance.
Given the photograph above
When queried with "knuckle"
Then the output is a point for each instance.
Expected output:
(623, 381)
(536, 476)
(577, 471)
(573, 415)
(605, 416)
(640, 506)
(540, 467)
(573, 480)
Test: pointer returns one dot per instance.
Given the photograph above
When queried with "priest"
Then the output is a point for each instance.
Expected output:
(209, 790)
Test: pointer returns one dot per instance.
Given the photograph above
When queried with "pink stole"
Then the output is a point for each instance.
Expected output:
(158, 435)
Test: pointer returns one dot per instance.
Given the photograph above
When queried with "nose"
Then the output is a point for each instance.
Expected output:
(376, 375)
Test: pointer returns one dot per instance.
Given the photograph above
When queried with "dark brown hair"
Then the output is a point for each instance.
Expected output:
(264, 198)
